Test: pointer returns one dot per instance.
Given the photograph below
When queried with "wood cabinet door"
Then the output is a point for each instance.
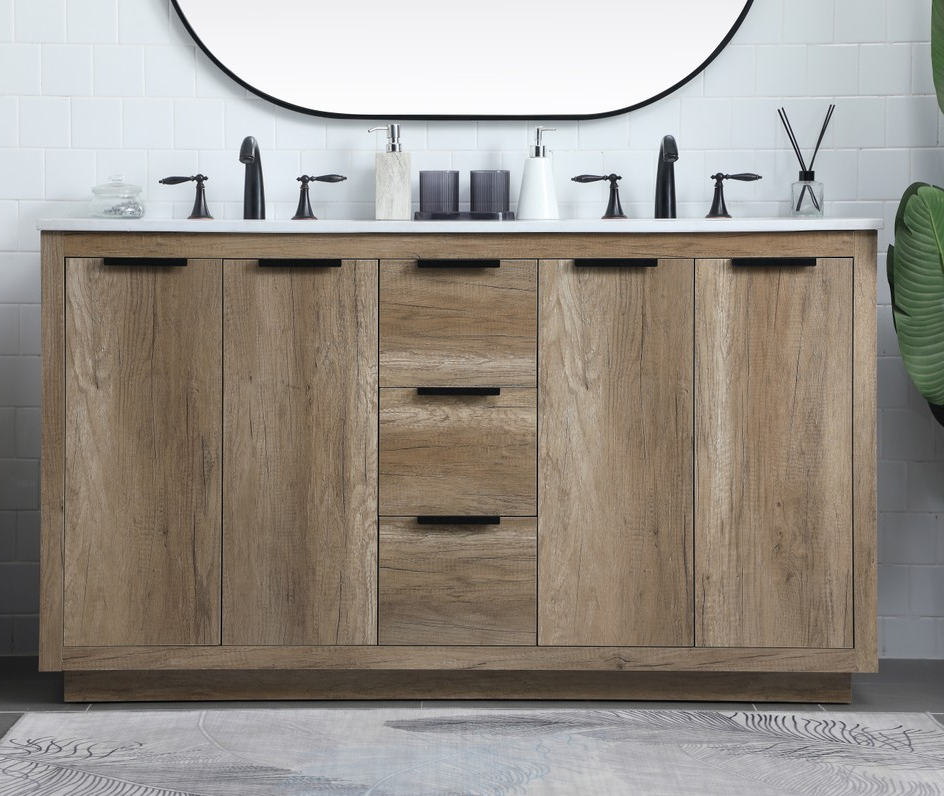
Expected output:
(615, 462)
(773, 528)
(300, 454)
(142, 453)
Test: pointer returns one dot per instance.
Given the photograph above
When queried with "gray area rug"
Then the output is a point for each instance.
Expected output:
(471, 752)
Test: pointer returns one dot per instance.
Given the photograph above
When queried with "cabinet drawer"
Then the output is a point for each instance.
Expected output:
(457, 584)
(458, 454)
(471, 324)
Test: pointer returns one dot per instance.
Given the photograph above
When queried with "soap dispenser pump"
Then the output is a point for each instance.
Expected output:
(393, 199)
(538, 197)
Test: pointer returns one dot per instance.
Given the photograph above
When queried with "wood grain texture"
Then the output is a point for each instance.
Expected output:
(458, 454)
(864, 422)
(142, 451)
(490, 658)
(458, 584)
(773, 527)
(514, 246)
(469, 326)
(300, 456)
(663, 686)
(52, 500)
(615, 506)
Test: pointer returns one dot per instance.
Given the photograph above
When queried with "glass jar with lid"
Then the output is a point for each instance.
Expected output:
(116, 199)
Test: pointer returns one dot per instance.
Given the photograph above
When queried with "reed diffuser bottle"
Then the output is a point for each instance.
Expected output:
(807, 196)
(806, 193)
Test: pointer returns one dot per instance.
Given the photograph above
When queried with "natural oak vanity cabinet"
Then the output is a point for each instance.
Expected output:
(416, 461)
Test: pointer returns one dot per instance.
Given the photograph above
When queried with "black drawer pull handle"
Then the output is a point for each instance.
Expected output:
(300, 262)
(465, 519)
(458, 263)
(146, 262)
(458, 390)
(616, 262)
(773, 262)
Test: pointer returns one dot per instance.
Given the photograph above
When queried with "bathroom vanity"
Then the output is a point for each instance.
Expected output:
(478, 459)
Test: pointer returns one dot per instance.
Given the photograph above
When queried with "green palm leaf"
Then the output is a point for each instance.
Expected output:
(916, 277)
(937, 49)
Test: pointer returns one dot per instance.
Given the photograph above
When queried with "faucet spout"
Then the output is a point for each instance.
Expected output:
(665, 178)
(253, 189)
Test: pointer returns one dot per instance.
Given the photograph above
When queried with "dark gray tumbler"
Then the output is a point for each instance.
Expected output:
(490, 191)
(439, 191)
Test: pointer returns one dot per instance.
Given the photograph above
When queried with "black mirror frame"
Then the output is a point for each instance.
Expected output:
(458, 117)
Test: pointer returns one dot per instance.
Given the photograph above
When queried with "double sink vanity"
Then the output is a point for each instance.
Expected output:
(425, 460)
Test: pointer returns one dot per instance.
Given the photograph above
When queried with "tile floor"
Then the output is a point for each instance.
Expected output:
(911, 686)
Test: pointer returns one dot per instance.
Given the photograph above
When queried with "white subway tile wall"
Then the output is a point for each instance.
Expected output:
(91, 88)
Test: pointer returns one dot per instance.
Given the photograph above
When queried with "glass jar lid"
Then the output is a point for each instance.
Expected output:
(116, 186)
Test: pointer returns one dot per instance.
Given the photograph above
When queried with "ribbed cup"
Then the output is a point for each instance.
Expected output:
(439, 191)
(490, 191)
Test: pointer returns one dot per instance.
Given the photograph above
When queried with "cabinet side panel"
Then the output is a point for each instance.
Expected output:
(863, 457)
(300, 454)
(615, 466)
(773, 528)
(143, 425)
(52, 483)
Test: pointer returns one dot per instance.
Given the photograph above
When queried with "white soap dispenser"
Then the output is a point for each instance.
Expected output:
(538, 198)
(393, 200)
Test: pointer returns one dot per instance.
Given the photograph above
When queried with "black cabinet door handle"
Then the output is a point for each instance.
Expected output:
(616, 262)
(773, 262)
(146, 262)
(300, 262)
(458, 390)
(458, 263)
(462, 519)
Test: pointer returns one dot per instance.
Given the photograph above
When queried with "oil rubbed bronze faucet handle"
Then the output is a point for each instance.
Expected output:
(200, 209)
(614, 208)
(718, 207)
(304, 212)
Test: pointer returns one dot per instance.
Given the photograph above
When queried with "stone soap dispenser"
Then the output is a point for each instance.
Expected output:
(538, 198)
(393, 200)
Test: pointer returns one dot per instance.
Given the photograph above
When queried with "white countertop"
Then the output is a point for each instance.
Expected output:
(628, 226)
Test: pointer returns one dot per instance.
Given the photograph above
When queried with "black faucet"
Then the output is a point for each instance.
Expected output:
(665, 178)
(253, 190)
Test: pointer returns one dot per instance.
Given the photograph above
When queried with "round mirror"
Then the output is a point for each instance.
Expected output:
(445, 59)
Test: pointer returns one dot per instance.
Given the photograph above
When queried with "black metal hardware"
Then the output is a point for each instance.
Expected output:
(253, 187)
(769, 262)
(458, 263)
(300, 262)
(616, 262)
(146, 262)
(200, 209)
(613, 208)
(718, 207)
(304, 211)
(465, 519)
(458, 390)
(665, 178)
